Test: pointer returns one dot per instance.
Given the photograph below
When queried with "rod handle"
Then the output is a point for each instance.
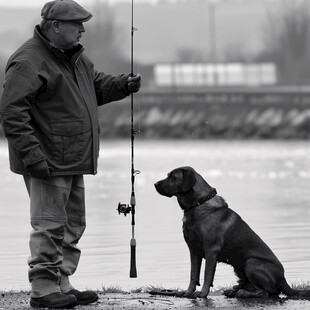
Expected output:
(133, 268)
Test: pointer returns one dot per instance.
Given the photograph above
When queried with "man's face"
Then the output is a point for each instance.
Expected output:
(70, 34)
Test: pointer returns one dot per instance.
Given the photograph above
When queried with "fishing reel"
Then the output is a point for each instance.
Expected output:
(124, 208)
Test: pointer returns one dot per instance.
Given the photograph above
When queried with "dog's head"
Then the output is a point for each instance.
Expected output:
(178, 181)
(187, 185)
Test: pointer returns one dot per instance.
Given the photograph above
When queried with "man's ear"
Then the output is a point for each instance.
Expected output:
(189, 179)
(55, 26)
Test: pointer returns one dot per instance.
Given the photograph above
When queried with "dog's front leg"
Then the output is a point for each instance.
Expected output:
(210, 266)
(195, 272)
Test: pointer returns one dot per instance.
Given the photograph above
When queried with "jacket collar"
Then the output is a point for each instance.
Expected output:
(57, 52)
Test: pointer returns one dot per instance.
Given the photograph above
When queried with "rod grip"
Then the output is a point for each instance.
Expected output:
(133, 268)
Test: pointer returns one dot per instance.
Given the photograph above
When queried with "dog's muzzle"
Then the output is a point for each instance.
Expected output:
(160, 189)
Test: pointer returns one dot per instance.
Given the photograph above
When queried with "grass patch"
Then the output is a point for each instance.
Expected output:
(160, 288)
(300, 286)
(112, 290)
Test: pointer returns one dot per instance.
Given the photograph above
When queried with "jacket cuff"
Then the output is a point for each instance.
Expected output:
(33, 157)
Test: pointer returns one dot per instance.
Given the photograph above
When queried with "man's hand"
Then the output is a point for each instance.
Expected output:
(134, 83)
(39, 170)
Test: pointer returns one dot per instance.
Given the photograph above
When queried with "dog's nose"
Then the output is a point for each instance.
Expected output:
(157, 185)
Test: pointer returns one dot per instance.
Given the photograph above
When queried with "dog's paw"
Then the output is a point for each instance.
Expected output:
(199, 294)
(256, 294)
(230, 293)
(243, 294)
(188, 293)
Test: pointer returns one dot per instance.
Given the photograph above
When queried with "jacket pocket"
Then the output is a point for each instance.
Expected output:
(68, 141)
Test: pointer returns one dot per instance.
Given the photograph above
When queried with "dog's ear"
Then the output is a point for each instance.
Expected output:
(189, 179)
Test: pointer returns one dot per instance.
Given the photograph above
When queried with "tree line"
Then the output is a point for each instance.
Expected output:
(286, 43)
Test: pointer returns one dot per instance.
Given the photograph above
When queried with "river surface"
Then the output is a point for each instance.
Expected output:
(266, 182)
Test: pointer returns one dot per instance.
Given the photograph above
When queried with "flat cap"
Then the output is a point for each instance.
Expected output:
(65, 10)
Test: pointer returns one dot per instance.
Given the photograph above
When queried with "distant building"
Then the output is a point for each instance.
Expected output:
(222, 74)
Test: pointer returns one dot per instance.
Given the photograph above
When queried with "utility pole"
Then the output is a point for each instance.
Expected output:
(212, 32)
(213, 38)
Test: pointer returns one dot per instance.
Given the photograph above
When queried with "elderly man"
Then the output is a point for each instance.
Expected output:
(49, 115)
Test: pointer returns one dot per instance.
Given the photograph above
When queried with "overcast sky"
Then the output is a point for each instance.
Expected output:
(40, 3)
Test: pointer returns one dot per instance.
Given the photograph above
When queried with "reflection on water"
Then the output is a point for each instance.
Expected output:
(267, 183)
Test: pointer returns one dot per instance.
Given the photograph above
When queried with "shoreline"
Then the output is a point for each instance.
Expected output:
(146, 301)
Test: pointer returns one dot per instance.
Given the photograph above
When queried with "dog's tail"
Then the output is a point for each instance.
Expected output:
(293, 293)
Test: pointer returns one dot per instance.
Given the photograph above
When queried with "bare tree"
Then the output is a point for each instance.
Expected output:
(287, 40)
(189, 54)
(104, 41)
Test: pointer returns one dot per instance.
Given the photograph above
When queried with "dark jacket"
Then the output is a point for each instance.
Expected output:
(49, 107)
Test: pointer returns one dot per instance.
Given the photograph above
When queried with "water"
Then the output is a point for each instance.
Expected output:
(267, 183)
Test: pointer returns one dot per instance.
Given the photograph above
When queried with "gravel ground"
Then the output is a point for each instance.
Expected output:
(145, 301)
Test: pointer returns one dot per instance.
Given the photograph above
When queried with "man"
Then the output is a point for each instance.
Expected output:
(50, 118)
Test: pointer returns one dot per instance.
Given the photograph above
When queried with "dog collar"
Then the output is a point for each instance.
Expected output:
(203, 200)
(199, 203)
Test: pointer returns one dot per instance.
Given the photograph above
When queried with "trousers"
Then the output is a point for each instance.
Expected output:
(57, 215)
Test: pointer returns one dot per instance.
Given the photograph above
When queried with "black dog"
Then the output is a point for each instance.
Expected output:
(218, 234)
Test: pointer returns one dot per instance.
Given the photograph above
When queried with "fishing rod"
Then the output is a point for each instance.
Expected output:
(131, 208)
